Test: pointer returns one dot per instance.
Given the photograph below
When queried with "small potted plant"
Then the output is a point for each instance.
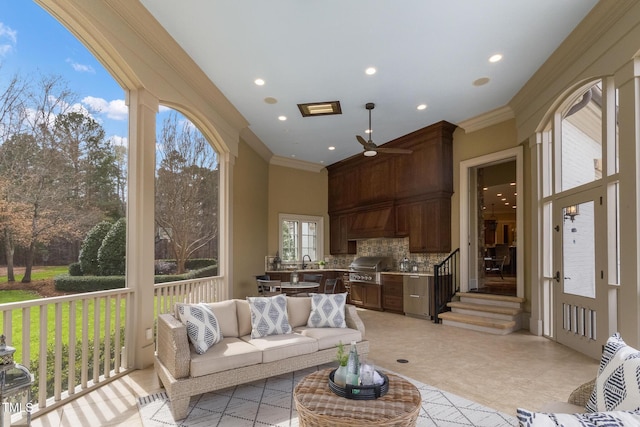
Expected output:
(321, 264)
(340, 376)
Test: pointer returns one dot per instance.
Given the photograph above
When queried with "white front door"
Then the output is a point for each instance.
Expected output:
(580, 286)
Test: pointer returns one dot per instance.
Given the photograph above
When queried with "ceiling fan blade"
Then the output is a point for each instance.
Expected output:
(394, 150)
(361, 140)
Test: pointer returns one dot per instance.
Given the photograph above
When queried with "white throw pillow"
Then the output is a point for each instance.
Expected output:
(589, 419)
(203, 328)
(269, 316)
(618, 382)
(327, 311)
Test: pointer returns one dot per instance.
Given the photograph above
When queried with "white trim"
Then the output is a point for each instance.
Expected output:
(296, 164)
(304, 218)
(465, 165)
(487, 119)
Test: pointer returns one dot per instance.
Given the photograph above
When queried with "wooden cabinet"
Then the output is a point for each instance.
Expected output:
(366, 295)
(379, 197)
(338, 229)
(392, 293)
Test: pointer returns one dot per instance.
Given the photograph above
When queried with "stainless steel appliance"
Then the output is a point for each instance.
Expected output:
(368, 269)
(417, 291)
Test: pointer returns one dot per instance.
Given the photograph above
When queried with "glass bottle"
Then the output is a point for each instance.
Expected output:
(353, 366)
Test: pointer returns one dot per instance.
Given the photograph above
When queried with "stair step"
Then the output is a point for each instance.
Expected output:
(478, 323)
(485, 308)
(490, 299)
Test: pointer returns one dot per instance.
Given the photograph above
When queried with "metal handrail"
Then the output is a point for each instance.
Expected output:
(446, 283)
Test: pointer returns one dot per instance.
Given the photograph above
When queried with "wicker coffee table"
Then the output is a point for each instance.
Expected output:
(318, 406)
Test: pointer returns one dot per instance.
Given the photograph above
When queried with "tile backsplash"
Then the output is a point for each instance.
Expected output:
(396, 248)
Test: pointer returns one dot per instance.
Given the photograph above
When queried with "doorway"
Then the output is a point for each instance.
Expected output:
(490, 224)
(580, 292)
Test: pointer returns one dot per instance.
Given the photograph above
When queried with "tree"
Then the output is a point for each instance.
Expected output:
(91, 245)
(112, 252)
(186, 189)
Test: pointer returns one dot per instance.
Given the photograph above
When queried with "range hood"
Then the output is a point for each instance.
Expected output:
(372, 223)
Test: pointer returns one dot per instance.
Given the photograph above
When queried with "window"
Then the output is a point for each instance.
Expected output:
(300, 235)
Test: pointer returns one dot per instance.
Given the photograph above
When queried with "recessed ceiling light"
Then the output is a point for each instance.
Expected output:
(499, 194)
(481, 81)
(512, 183)
(495, 58)
(485, 188)
(370, 71)
(514, 206)
(259, 82)
(282, 118)
(422, 107)
(332, 148)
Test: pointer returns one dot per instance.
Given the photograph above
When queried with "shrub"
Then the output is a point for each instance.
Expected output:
(75, 269)
(81, 284)
(111, 255)
(90, 246)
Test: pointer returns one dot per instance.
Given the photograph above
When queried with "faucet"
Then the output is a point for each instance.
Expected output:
(304, 265)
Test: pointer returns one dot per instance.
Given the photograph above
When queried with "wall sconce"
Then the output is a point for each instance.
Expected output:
(571, 212)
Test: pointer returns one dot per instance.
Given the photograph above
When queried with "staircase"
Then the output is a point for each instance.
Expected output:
(495, 314)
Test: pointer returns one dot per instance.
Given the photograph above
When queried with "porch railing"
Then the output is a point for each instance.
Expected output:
(74, 344)
(446, 283)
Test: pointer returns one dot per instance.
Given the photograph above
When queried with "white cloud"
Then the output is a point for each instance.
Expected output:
(8, 39)
(115, 110)
(81, 68)
(119, 141)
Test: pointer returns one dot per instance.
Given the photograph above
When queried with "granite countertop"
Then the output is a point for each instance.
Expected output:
(311, 270)
(409, 273)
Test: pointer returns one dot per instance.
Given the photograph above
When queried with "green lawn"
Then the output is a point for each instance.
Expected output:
(40, 273)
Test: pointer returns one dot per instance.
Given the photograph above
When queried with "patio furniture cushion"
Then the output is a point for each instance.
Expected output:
(330, 337)
(230, 353)
(298, 308)
(608, 419)
(327, 311)
(617, 385)
(203, 328)
(279, 347)
(244, 317)
(269, 316)
(225, 312)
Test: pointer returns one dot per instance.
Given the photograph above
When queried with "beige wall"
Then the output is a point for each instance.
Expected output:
(250, 202)
(296, 191)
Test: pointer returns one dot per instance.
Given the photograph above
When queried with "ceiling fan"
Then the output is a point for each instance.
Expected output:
(371, 149)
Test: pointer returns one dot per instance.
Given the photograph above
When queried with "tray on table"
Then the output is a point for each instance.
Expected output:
(360, 392)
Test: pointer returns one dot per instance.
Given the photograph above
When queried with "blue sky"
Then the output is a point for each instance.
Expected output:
(32, 42)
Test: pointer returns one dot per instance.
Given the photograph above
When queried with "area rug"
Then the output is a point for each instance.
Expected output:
(270, 403)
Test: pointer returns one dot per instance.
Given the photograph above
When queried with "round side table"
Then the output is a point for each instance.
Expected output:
(318, 406)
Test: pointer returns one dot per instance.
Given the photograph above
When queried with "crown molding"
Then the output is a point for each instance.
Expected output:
(487, 119)
(296, 164)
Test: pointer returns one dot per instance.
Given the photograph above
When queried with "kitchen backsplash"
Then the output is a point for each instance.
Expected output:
(397, 249)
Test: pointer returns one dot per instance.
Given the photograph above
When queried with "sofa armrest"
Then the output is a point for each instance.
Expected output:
(173, 346)
(352, 319)
(581, 395)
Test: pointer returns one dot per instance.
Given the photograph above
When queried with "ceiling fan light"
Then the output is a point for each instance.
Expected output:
(370, 153)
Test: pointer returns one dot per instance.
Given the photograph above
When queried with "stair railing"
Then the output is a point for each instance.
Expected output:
(446, 283)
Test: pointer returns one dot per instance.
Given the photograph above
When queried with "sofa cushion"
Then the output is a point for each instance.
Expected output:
(243, 312)
(230, 353)
(203, 328)
(589, 419)
(299, 309)
(269, 316)
(225, 312)
(330, 337)
(618, 381)
(278, 347)
(327, 311)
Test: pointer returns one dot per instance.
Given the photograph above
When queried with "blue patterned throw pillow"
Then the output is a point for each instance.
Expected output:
(617, 385)
(269, 316)
(327, 311)
(589, 419)
(203, 328)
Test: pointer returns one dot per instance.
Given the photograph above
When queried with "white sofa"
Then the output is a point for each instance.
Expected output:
(239, 358)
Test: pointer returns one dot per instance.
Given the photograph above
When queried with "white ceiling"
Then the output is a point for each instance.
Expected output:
(425, 51)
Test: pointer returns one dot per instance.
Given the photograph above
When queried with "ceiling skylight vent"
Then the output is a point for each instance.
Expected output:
(320, 108)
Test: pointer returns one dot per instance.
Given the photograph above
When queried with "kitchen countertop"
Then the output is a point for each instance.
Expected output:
(346, 270)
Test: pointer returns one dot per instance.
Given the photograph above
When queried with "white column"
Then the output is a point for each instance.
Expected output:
(629, 142)
(140, 225)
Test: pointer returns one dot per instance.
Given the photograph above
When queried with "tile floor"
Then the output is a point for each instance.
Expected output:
(502, 372)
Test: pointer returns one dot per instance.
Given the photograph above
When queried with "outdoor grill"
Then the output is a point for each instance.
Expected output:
(368, 269)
